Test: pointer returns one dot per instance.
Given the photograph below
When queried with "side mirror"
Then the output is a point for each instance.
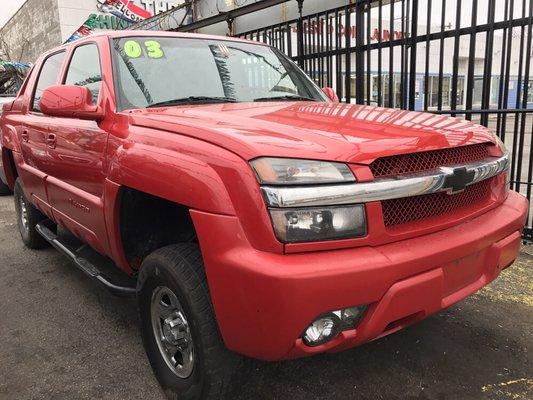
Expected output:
(69, 101)
(331, 94)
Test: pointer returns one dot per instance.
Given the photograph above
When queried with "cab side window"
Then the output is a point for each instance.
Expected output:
(84, 69)
(47, 77)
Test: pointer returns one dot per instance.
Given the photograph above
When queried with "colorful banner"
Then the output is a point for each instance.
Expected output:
(124, 9)
(119, 14)
(85, 30)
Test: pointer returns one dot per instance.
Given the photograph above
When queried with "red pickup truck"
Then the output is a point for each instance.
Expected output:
(251, 212)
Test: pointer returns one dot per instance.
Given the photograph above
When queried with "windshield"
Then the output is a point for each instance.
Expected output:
(153, 71)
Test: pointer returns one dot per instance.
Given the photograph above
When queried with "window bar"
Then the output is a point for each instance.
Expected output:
(380, 49)
(280, 38)
(330, 36)
(487, 70)
(518, 99)
(314, 48)
(289, 40)
(426, 75)
(455, 73)
(508, 69)
(404, 58)
(320, 32)
(503, 92)
(359, 52)
(327, 49)
(308, 43)
(525, 97)
(368, 52)
(348, 67)
(300, 37)
(413, 47)
(391, 56)
(471, 60)
(530, 170)
(441, 55)
(338, 68)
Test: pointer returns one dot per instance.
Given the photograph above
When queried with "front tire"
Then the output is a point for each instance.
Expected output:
(27, 218)
(179, 330)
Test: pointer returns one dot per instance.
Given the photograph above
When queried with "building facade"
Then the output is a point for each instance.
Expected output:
(40, 25)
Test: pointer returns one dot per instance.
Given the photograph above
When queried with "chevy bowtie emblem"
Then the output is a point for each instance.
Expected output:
(457, 179)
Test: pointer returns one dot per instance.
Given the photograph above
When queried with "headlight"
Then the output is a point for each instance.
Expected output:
(289, 171)
(309, 224)
(318, 224)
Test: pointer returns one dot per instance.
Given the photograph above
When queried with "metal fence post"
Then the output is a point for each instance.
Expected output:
(300, 34)
(359, 51)
(413, 48)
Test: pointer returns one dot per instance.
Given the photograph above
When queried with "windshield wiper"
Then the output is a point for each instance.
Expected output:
(286, 97)
(193, 100)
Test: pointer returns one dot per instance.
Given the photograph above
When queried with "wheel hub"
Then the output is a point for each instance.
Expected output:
(172, 332)
(175, 329)
(23, 213)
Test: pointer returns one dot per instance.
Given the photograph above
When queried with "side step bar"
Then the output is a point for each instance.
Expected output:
(83, 264)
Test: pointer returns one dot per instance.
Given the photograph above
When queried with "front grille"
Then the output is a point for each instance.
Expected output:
(410, 209)
(427, 160)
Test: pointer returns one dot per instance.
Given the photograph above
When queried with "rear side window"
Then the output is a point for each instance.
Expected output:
(84, 69)
(48, 77)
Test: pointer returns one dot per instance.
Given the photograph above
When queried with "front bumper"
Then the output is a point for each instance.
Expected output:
(263, 301)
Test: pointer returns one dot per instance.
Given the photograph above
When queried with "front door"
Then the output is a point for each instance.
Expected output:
(76, 150)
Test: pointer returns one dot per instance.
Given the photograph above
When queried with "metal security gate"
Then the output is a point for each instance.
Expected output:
(466, 58)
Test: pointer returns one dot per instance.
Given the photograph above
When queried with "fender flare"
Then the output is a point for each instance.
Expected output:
(177, 177)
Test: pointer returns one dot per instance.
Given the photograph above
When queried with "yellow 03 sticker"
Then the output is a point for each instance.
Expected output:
(133, 49)
(154, 49)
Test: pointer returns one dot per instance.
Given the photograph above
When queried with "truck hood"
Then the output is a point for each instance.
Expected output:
(324, 131)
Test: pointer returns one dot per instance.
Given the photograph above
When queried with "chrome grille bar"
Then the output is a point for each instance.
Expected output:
(450, 179)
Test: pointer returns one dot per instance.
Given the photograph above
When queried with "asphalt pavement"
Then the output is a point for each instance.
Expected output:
(63, 337)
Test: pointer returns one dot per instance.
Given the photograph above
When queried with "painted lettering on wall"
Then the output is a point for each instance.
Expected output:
(319, 28)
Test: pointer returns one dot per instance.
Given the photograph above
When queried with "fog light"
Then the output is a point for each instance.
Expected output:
(328, 326)
(322, 330)
(350, 316)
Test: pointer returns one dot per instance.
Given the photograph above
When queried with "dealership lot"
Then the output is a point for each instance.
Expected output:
(63, 337)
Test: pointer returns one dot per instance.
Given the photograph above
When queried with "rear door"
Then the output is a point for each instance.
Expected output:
(76, 153)
(33, 132)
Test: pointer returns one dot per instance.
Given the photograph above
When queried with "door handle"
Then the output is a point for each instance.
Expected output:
(25, 135)
(51, 140)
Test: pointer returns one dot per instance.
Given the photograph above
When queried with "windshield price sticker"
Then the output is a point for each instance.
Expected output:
(153, 49)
